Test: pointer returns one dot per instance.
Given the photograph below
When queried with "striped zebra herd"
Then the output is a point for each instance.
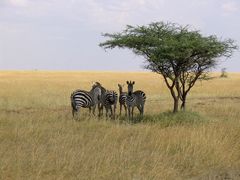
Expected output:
(102, 98)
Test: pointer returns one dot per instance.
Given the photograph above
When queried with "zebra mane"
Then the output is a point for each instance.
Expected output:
(102, 88)
(97, 84)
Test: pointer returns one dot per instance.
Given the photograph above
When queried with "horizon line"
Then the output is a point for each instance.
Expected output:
(110, 71)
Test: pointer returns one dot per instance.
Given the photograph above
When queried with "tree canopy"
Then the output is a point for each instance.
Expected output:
(179, 54)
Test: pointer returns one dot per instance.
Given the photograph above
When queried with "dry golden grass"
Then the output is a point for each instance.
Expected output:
(39, 139)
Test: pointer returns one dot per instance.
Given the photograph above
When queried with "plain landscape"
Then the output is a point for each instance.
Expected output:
(40, 140)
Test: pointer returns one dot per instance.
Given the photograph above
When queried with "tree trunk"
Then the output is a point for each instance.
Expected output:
(176, 100)
(183, 105)
(175, 108)
(175, 94)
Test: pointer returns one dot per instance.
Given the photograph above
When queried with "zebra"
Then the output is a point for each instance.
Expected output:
(85, 99)
(122, 99)
(136, 98)
(108, 99)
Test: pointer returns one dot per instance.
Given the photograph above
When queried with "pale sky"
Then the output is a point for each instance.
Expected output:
(64, 34)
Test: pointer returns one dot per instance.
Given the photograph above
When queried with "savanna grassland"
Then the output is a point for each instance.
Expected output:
(40, 140)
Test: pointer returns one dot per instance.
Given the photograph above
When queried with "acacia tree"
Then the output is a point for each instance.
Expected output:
(181, 55)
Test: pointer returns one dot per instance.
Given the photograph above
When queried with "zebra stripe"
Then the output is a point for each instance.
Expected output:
(82, 99)
(85, 99)
(136, 98)
(122, 99)
(110, 98)
(107, 100)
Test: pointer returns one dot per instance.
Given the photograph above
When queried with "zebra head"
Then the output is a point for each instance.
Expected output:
(96, 91)
(120, 87)
(130, 87)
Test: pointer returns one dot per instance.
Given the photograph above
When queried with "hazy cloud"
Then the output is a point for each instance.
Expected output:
(21, 3)
(230, 7)
(64, 34)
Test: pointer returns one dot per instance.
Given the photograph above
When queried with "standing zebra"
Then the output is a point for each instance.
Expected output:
(122, 99)
(136, 98)
(85, 99)
(108, 99)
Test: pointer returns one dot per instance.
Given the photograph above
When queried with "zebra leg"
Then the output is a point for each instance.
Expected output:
(94, 108)
(100, 110)
(139, 108)
(129, 109)
(132, 112)
(106, 112)
(125, 107)
(73, 112)
(114, 110)
(77, 112)
(120, 109)
(90, 110)
(142, 109)
(111, 111)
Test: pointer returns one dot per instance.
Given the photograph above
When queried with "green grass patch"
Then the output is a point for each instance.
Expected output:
(171, 119)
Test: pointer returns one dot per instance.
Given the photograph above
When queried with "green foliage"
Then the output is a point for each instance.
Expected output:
(167, 119)
(179, 54)
(164, 42)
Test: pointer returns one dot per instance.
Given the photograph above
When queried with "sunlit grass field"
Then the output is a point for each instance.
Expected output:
(40, 140)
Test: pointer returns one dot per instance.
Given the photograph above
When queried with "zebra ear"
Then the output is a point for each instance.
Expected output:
(127, 82)
(133, 82)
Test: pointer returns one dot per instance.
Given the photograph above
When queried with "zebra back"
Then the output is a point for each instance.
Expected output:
(85, 99)
(122, 98)
(81, 98)
(140, 95)
(122, 95)
(110, 98)
(136, 98)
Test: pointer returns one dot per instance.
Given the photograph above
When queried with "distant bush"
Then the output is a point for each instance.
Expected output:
(223, 73)
(171, 119)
